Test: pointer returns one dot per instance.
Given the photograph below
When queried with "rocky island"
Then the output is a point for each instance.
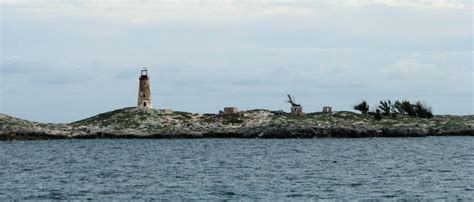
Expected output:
(135, 122)
(400, 119)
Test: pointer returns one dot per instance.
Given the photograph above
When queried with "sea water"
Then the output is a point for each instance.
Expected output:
(367, 168)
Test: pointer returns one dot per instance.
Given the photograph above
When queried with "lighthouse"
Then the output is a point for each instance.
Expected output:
(144, 95)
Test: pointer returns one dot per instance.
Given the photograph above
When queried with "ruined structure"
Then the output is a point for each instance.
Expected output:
(144, 95)
(296, 109)
(230, 111)
(327, 109)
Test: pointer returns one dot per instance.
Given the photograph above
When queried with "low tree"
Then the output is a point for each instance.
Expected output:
(363, 107)
(422, 110)
(385, 107)
(377, 115)
(397, 107)
(405, 107)
(408, 108)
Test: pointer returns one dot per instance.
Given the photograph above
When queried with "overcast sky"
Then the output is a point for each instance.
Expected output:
(62, 62)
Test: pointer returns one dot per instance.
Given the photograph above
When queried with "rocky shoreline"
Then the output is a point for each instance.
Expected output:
(149, 123)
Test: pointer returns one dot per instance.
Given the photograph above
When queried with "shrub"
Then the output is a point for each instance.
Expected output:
(386, 107)
(397, 108)
(363, 107)
(405, 107)
(408, 108)
(422, 110)
(377, 115)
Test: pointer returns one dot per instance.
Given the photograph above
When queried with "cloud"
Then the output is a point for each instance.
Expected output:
(406, 68)
(146, 11)
(437, 4)
(433, 4)
(203, 55)
(10, 69)
(20, 73)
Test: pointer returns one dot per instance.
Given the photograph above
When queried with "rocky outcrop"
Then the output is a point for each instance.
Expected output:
(150, 123)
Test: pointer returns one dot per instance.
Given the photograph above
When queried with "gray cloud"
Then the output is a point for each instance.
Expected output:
(70, 67)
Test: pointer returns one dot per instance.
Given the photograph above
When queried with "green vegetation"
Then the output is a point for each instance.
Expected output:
(232, 120)
(422, 110)
(100, 117)
(126, 118)
(386, 108)
(405, 107)
(377, 115)
(363, 107)
(183, 115)
(129, 121)
(419, 109)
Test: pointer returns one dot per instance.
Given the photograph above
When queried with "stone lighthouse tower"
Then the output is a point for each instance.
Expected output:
(144, 95)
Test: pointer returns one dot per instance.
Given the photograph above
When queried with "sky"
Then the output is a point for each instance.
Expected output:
(63, 61)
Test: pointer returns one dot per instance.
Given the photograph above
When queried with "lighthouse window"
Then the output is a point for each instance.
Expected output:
(143, 94)
(144, 104)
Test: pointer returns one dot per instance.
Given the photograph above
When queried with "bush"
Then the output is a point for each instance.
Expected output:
(397, 108)
(405, 107)
(408, 108)
(377, 115)
(422, 110)
(363, 107)
(386, 107)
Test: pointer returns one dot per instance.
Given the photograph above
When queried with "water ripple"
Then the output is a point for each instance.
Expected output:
(221, 169)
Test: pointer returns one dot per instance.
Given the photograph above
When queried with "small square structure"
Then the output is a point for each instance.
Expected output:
(327, 109)
(230, 110)
(297, 111)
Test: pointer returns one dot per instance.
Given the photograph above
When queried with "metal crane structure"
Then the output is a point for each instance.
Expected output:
(296, 109)
(292, 102)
